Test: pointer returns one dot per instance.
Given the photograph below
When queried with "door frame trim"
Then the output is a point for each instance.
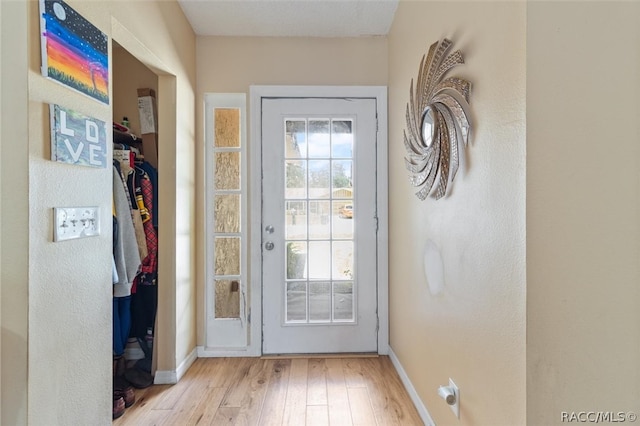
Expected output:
(257, 93)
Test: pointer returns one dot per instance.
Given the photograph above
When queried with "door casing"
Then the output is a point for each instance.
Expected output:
(257, 93)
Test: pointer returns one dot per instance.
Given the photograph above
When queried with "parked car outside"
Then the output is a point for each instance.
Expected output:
(346, 212)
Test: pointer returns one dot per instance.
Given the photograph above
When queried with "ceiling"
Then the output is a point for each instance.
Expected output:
(290, 18)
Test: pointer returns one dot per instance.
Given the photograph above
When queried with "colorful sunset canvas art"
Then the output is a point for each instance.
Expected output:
(74, 51)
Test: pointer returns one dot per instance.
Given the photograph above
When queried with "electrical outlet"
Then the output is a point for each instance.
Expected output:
(75, 222)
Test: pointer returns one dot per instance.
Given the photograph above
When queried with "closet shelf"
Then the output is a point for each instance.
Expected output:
(126, 138)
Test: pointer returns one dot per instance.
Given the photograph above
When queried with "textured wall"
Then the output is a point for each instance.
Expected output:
(583, 209)
(69, 283)
(474, 330)
(14, 249)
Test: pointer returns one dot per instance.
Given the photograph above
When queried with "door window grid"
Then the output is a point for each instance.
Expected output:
(319, 233)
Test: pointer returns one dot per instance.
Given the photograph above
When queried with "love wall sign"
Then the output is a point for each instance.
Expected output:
(77, 139)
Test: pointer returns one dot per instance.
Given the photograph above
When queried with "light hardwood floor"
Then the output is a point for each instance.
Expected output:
(281, 391)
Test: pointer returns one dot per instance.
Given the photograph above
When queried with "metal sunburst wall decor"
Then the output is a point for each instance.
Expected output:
(437, 118)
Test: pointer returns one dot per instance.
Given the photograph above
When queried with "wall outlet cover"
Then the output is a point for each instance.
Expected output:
(455, 407)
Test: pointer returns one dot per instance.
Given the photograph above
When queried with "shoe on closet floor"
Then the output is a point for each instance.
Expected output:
(124, 389)
(118, 406)
(127, 395)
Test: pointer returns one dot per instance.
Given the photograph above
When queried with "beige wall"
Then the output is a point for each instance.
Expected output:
(69, 284)
(583, 209)
(232, 64)
(474, 330)
(14, 249)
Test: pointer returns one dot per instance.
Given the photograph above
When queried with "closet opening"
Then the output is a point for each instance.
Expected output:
(136, 223)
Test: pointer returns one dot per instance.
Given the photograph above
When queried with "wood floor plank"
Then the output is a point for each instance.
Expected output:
(317, 382)
(188, 402)
(145, 398)
(205, 411)
(230, 371)
(361, 409)
(174, 393)
(353, 374)
(338, 398)
(251, 404)
(390, 401)
(245, 375)
(275, 399)
(317, 415)
(225, 416)
(153, 418)
(295, 409)
(354, 391)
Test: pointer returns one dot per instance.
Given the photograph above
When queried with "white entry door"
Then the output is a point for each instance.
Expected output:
(319, 224)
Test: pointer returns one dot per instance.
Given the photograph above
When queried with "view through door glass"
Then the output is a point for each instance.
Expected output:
(319, 220)
(319, 291)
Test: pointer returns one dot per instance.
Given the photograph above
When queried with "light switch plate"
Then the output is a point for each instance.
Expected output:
(75, 222)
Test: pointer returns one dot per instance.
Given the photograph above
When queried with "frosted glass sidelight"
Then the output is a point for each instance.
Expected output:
(227, 170)
(227, 127)
(227, 213)
(227, 256)
(227, 303)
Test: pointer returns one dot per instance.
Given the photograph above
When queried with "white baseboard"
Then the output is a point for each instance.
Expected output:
(165, 377)
(171, 377)
(413, 394)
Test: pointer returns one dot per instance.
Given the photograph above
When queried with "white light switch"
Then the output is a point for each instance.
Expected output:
(75, 222)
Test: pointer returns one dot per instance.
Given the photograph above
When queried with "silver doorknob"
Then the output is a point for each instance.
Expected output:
(269, 229)
(268, 245)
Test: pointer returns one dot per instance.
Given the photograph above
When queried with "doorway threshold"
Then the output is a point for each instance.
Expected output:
(326, 356)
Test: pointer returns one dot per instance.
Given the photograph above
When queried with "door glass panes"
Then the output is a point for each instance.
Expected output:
(227, 212)
(296, 260)
(319, 225)
(319, 301)
(296, 301)
(295, 179)
(319, 139)
(343, 301)
(296, 220)
(319, 179)
(342, 139)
